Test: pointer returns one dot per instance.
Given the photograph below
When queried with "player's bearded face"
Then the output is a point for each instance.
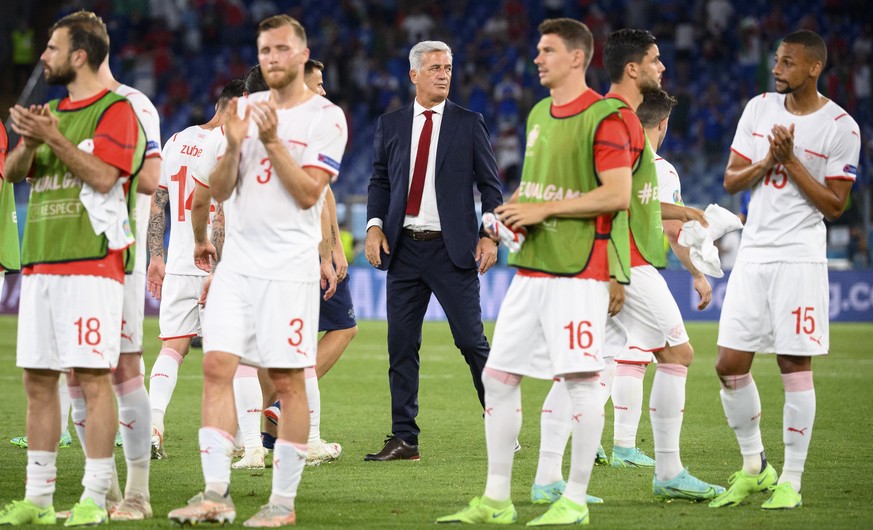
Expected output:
(57, 59)
(651, 70)
(281, 55)
(60, 74)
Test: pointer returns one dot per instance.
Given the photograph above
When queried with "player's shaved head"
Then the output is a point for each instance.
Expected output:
(812, 42)
(255, 80)
(656, 106)
(234, 89)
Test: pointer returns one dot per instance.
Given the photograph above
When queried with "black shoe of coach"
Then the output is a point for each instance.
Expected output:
(395, 449)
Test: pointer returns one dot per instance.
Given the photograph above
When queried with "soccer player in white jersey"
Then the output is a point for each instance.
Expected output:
(177, 282)
(283, 146)
(134, 412)
(798, 153)
(627, 389)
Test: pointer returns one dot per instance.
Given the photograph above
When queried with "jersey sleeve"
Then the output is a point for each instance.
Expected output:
(612, 144)
(116, 136)
(328, 142)
(843, 159)
(213, 150)
(151, 124)
(743, 143)
(669, 187)
(163, 181)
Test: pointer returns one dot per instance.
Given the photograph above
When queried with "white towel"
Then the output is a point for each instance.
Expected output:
(700, 240)
(107, 211)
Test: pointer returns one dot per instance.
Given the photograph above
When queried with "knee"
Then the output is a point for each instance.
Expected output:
(289, 385)
(128, 367)
(217, 369)
(682, 354)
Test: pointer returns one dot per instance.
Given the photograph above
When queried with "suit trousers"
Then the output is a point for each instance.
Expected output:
(417, 269)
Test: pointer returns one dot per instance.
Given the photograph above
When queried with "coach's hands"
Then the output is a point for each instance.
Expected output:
(375, 242)
(486, 254)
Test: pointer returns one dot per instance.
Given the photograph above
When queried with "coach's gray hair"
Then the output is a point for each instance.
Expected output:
(424, 47)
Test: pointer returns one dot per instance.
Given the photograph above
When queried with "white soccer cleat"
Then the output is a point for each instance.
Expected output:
(132, 508)
(158, 452)
(323, 452)
(253, 459)
(206, 507)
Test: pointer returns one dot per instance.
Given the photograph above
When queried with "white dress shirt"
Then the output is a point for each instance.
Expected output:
(428, 217)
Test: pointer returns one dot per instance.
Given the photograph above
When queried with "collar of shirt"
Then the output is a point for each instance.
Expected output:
(418, 109)
(428, 217)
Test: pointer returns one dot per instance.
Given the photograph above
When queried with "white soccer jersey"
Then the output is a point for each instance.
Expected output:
(182, 153)
(270, 236)
(783, 225)
(669, 188)
(147, 115)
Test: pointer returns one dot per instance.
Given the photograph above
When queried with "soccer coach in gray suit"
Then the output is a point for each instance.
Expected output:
(422, 229)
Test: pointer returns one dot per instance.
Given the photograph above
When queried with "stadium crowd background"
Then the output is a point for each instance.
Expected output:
(717, 53)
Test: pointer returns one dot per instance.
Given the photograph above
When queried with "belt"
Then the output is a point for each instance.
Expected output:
(422, 235)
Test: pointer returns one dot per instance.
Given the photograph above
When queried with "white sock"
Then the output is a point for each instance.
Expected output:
(97, 479)
(502, 425)
(162, 382)
(798, 416)
(288, 461)
(313, 396)
(248, 399)
(64, 394)
(627, 403)
(742, 407)
(134, 417)
(79, 412)
(554, 434)
(607, 376)
(216, 447)
(42, 473)
(586, 420)
(666, 410)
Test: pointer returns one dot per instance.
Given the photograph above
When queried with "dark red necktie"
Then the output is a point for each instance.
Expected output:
(415, 191)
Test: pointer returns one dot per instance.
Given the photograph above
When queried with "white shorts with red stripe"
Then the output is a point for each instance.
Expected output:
(549, 327)
(181, 315)
(68, 322)
(266, 323)
(776, 308)
(650, 315)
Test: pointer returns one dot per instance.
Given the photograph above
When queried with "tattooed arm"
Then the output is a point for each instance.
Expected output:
(218, 233)
(155, 239)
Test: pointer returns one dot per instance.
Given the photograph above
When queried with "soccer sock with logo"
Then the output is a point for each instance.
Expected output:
(79, 412)
(288, 461)
(502, 425)
(248, 398)
(64, 394)
(162, 382)
(216, 447)
(97, 479)
(798, 416)
(627, 403)
(586, 420)
(134, 419)
(607, 377)
(666, 409)
(742, 406)
(313, 396)
(554, 434)
(42, 473)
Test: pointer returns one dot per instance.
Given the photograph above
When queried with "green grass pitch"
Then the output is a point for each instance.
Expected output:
(351, 493)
